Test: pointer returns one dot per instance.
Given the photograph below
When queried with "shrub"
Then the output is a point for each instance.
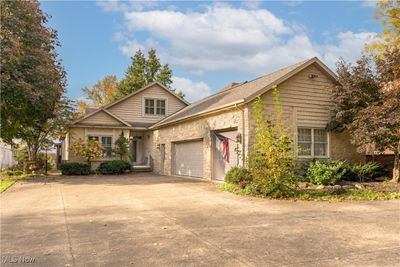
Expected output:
(8, 172)
(366, 171)
(239, 176)
(75, 168)
(114, 166)
(327, 172)
(271, 159)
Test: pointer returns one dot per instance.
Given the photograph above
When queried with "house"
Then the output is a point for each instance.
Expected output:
(133, 115)
(6, 156)
(175, 138)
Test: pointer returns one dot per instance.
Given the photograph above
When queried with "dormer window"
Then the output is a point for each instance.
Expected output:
(154, 106)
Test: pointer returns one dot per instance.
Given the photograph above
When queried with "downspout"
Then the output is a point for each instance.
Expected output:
(243, 135)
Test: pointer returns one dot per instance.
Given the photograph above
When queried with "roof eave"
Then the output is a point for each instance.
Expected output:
(201, 114)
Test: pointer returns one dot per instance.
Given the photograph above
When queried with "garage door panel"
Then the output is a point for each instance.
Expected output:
(188, 158)
(220, 166)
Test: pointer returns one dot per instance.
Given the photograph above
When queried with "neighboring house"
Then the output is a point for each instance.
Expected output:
(6, 156)
(180, 139)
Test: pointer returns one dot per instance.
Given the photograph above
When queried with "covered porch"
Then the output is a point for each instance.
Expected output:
(140, 142)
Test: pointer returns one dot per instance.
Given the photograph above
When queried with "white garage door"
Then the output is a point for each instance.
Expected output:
(188, 159)
(221, 166)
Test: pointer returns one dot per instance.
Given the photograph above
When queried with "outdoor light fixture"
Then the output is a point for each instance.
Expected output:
(239, 138)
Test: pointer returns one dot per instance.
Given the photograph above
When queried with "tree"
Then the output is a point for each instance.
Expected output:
(88, 149)
(367, 100)
(121, 146)
(32, 77)
(271, 158)
(144, 71)
(367, 104)
(100, 94)
(389, 15)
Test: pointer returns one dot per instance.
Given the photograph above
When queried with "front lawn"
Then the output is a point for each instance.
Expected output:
(5, 183)
(8, 178)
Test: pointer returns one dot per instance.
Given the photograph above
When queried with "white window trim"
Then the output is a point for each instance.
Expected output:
(155, 106)
(312, 156)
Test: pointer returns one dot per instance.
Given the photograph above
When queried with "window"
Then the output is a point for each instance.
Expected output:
(160, 107)
(149, 106)
(154, 106)
(312, 142)
(106, 143)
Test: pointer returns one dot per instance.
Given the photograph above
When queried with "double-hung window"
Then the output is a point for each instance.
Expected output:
(106, 143)
(160, 107)
(149, 106)
(154, 106)
(312, 142)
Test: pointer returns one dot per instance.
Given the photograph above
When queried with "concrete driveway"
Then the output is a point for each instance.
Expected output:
(148, 220)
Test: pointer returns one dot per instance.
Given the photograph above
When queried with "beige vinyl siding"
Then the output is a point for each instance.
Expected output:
(101, 118)
(305, 102)
(131, 109)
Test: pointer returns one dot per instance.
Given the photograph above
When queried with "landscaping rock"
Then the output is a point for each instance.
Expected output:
(359, 186)
(320, 187)
(303, 185)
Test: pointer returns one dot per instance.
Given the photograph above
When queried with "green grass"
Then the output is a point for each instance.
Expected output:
(320, 195)
(7, 180)
(6, 183)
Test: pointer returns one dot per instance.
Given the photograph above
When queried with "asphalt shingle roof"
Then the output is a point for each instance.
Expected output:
(243, 91)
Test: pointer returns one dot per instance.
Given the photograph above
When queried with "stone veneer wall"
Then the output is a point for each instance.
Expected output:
(191, 130)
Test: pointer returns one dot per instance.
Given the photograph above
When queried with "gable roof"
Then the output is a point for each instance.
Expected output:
(144, 88)
(104, 108)
(243, 92)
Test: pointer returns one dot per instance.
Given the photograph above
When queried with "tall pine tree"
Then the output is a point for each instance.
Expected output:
(144, 71)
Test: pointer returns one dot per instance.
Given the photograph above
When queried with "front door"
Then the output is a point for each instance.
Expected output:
(134, 151)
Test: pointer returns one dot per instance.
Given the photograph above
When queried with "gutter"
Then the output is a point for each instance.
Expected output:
(201, 114)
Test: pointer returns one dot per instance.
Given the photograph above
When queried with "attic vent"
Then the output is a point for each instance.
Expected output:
(312, 76)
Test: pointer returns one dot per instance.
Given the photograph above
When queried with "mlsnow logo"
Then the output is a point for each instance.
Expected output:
(17, 259)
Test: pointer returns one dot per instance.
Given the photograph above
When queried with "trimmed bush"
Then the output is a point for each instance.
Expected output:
(74, 168)
(114, 167)
(327, 172)
(239, 176)
(366, 171)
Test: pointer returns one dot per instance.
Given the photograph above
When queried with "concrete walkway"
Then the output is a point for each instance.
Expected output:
(148, 220)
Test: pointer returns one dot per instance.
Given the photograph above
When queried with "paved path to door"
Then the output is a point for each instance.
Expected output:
(148, 220)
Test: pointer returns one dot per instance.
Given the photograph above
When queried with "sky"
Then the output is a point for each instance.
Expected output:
(208, 44)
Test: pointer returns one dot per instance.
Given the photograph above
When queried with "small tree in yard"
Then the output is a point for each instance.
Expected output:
(271, 159)
(88, 149)
(367, 99)
(122, 146)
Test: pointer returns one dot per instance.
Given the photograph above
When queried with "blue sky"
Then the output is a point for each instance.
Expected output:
(207, 44)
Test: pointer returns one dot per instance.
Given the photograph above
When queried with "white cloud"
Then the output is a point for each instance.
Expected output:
(223, 37)
(193, 90)
(349, 46)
